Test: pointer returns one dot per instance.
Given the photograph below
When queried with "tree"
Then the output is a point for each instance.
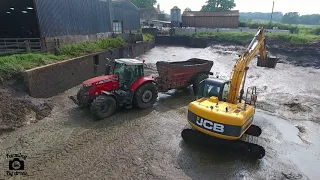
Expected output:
(218, 5)
(310, 19)
(144, 3)
(291, 18)
(187, 9)
(276, 17)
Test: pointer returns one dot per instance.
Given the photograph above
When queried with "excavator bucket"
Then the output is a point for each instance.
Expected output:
(269, 62)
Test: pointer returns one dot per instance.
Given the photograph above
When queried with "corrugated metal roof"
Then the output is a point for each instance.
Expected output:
(211, 14)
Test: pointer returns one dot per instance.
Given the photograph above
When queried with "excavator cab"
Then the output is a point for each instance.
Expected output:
(214, 87)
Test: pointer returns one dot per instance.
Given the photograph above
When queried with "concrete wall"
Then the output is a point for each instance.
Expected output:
(47, 81)
(182, 41)
(50, 80)
(152, 31)
(49, 43)
(184, 31)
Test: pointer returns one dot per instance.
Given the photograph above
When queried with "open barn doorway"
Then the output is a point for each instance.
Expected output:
(18, 19)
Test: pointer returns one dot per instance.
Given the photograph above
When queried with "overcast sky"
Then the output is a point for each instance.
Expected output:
(303, 7)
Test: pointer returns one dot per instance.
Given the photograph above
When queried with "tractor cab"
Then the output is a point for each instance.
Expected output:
(214, 87)
(128, 70)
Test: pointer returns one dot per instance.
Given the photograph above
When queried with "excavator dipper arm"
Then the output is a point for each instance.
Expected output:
(239, 71)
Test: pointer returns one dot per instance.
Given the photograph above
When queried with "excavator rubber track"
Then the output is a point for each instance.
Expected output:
(247, 144)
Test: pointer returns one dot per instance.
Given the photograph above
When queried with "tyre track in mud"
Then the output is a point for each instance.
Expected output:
(109, 133)
(40, 158)
(132, 144)
(106, 130)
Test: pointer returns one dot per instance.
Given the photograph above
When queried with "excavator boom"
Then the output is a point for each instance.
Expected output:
(239, 71)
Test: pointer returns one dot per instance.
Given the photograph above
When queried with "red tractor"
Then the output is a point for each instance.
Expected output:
(128, 85)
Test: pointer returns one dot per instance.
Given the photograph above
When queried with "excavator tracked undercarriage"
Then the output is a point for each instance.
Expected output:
(247, 144)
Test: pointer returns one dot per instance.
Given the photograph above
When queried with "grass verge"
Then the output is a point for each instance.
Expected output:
(14, 65)
(148, 37)
(83, 48)
(11, 66)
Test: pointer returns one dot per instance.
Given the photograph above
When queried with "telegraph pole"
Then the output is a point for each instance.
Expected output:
(272, 10)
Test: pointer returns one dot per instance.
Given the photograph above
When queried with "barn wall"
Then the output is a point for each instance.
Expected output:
(210, 22)
(73, 17)
(128, 13)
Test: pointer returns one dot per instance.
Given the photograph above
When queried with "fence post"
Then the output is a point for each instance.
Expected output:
(5, 44)
(18, 44)
(27, 44)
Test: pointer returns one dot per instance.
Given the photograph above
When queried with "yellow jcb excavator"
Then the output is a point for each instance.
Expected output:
(220, 116)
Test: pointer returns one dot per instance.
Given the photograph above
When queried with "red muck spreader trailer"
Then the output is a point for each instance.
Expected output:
(127, 85)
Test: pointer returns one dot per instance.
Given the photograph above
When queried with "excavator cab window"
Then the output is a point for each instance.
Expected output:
(225, 91)
(209, 88)
(200, 89)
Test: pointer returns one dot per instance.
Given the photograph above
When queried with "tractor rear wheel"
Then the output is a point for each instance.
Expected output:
(103, 106)
(146, 96)
(197, 81)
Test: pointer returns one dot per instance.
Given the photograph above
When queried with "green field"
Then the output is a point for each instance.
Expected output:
(299, 25)
(294, 28)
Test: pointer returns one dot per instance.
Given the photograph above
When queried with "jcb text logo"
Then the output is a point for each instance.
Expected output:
(210, 125)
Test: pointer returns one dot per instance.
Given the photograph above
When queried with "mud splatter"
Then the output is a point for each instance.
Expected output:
(19, 111)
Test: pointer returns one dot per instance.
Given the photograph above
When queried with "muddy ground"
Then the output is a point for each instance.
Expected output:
(146, 144)
(21, 110)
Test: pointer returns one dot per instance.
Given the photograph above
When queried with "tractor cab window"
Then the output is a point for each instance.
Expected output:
(140, 71)
(119, 70)
(129, 73)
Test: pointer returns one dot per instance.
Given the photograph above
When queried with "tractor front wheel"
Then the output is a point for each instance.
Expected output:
(103, 106)
(81, 97)
(146, 96)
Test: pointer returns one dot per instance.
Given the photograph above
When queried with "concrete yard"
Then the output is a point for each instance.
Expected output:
(146, 144)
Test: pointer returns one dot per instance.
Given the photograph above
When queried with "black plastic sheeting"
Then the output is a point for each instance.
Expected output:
(73, 17)
(128, 13)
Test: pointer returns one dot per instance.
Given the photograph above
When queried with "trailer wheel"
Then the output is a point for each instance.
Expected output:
(197, 81)
(103, 106)
(146, 96)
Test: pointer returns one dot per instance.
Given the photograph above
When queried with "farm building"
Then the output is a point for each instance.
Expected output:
(126, 14)
(225, 19)
(69, 21)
